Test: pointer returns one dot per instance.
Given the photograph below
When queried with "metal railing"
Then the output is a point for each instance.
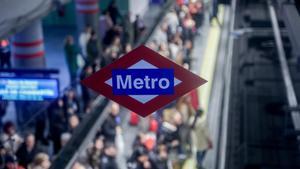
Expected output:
(290, 91)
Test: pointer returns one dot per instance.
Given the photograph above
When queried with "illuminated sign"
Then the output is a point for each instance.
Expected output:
(28, 89)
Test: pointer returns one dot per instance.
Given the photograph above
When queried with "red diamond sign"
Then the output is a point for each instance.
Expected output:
(143, 81)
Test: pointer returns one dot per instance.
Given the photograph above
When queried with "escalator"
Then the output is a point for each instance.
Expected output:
(261, 130)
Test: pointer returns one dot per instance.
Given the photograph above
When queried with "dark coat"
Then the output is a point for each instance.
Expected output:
(92, 50)
(109, 128)
(24, 157)
(108, 162)
(71, 52)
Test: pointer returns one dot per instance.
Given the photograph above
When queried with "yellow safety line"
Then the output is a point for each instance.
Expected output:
(209, 61)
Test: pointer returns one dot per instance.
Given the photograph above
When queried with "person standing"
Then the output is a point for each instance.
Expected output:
(58, 123)
(5, 54)
(92, 48)
(71, 52)
(86, 93)
(84, 39)
(110, 127)
(114, 11)
(128, 31)
(41, 161)
(202, 141)
(108, 159)
(27, 151)
(10, 139)
(139, 27)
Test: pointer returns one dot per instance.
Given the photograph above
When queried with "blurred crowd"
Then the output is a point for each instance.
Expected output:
(164, 141)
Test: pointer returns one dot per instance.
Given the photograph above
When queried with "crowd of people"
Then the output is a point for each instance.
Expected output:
(165, 141)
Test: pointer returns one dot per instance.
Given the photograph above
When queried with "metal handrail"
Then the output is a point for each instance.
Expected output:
(86, 130)
(290, 91)
(222, 164)
(158, 20)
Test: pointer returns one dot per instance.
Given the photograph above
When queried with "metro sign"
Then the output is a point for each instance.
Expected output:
(143, 81)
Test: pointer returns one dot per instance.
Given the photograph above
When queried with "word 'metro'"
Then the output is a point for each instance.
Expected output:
(143, 81)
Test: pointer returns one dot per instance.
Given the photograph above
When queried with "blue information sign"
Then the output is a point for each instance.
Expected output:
(28, 89)
(143, 81)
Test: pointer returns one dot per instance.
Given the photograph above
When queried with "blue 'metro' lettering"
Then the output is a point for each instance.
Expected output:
(143, 81)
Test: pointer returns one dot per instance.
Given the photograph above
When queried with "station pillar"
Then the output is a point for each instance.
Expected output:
(28, 47)
(87, 14)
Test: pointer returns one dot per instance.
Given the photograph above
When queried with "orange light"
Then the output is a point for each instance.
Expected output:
(4, 43)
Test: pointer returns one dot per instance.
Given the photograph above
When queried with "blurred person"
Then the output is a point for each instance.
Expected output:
(179, 58)
(106, 59)
(152, 45)
(140, 160)
(71, 102)
(175, 46)
(86, 93)
(114, 11)
(108, 159)
(127, 48)
(73, 123)
(97, 65)
(185, 107)
(92, 48)
(94, 153)
(78, 165)
(12, 163)
(120, 145)
(128, 34)
(40, 161)
(189, 27)
(170, 136)
(27, 151)
(65, 138)
(187, 50)
(139, 27)
(139, 140)
(111, 126)
(5, 53)
(71, 52)
(40, 128)
(111, 34)
(3, 106)
(161, 35)
(196, 10)
(84, 37)
(58, 123)
(170, 131)
(113, 56)
(10, 138)
(164, 50)
(162, 157)
(214, 12)
(172, 21)
(5, 156)
(105, 23)
(183, 10)
(201, 138)
(116, 46)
